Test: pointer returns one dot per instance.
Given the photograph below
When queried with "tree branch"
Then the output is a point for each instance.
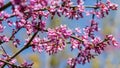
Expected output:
(43, 9)
(5, 6)
(13, 65)
(25, 47)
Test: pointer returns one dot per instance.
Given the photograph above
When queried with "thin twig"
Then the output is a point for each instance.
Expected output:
(11, 36)
(4, 50)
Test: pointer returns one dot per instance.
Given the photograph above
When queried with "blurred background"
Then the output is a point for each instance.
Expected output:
(108, 59)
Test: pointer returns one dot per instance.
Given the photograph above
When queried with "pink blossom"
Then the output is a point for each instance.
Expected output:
(1, 3)
(27, 65)
(74, 43)
(57, 39)
(78, 30)
(112, 40)
(1, 28)
(71, 62)
(3, 38)
(112, 5)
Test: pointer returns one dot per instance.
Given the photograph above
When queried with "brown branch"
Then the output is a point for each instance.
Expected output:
(5, 6)
(77, 38)
(4, 50)
(13, 65)
(25, 47)
(11, 38)
(43, 9)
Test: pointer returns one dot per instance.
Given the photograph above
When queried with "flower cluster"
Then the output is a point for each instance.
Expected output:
(105, 8)
(3, 38)
(88, 44)
(32, 16)
(55, 41)
(88, 49)
(112, 40)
